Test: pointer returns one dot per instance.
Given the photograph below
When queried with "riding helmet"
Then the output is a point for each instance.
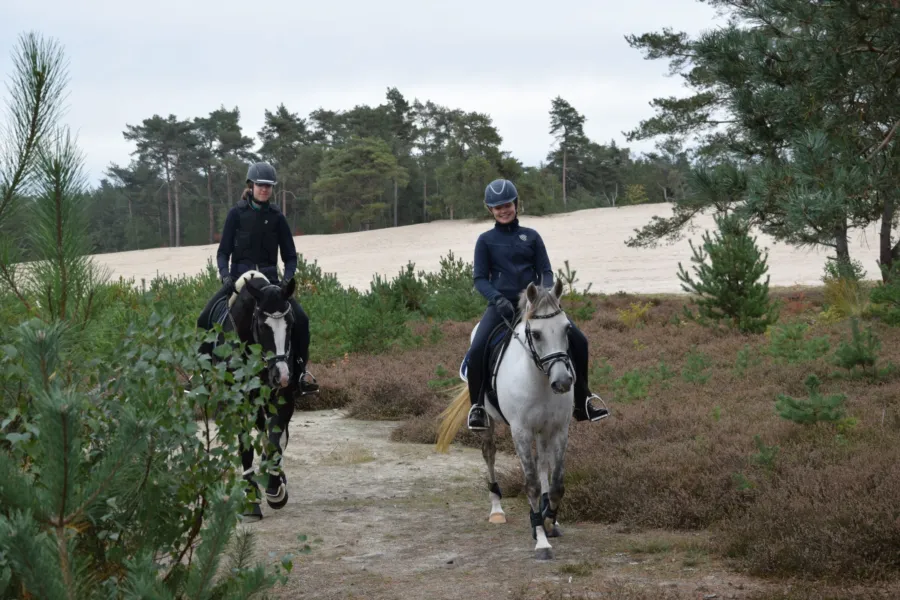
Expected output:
(500, 191)
(262, 172)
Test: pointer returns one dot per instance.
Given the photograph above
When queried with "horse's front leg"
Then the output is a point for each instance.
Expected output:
(489, 452)
(554, 451)
(523, 440)
(546, 467)
(276, 487)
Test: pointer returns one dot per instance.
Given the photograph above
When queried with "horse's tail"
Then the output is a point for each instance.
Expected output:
(452, 418)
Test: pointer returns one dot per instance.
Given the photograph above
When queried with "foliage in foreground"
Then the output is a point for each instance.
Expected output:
(109, 484)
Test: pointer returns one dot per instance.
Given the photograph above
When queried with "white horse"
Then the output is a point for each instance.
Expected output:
(534, 391)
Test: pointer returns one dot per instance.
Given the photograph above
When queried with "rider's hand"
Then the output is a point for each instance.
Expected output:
(228, 281)
(505, 308)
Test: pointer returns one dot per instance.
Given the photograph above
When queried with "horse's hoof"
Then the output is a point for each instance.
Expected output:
(497, 518)
(551, 528)
(279, 499)
(543, 554)
(253, 515)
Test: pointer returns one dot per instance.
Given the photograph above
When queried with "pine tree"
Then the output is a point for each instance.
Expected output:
(861, 351)
(729, 285)
(817, 408)
(804, 99)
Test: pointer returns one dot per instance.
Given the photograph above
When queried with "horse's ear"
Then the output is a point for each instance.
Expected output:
(558, 289)
(288, 288)
(531, 293)
(253, 290)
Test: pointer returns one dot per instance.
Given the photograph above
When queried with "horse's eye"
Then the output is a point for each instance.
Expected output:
(537, 336)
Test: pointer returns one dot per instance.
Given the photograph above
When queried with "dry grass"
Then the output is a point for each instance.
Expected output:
(681, 450)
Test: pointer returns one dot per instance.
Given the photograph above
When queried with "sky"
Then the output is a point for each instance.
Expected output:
(130, 60)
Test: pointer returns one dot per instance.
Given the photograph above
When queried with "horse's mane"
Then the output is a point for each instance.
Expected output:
(545, 300)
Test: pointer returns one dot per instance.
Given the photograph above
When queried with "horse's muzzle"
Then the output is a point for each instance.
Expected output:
(562, 384)
(280, 375)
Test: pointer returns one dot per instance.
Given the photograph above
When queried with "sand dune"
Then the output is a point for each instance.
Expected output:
(591, 240)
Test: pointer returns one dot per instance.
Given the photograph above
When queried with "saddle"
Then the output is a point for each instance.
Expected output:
(498, 342)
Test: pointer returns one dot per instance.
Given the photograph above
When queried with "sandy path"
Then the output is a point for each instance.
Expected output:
(593, 241)
(398, 521)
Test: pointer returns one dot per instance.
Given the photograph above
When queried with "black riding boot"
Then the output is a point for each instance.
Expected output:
(477, 372)
(584, 409)
(300, 342)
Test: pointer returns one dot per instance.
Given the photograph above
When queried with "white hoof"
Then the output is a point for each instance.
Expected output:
(497, 518)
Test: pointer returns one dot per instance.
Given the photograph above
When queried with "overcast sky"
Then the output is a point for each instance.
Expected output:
(129, 60)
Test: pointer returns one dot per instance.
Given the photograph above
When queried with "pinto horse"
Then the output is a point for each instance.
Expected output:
(259, 313)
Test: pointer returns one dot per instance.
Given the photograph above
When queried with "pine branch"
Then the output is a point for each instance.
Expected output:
(884, 142)
(6, 274)
(36, 94)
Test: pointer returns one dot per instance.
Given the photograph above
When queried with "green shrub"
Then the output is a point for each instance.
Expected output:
(729, 286)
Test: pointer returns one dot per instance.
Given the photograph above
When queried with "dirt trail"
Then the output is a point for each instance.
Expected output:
(399, 521)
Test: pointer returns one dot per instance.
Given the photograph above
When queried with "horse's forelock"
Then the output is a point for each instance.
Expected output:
(272, 300)
(544, 303)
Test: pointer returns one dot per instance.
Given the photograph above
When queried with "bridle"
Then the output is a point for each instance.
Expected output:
(254, 330)
(544, 363)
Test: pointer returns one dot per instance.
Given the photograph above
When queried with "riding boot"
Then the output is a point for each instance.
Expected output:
(300, 342)
(478, 418)
(584, 409)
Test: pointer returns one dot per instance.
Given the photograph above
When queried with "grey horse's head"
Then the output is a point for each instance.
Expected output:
(547, 334)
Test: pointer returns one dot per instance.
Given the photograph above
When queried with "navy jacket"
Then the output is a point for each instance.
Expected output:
(252, 238)
(507, 259)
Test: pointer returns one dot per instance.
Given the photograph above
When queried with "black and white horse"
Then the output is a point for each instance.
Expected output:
(259, 312)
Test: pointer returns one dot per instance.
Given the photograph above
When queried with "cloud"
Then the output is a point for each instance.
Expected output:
(504, 58)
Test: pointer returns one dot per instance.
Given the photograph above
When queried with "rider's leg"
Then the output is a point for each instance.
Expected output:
(578, 349)
(476, 372)
(203, 319)
(300, 346)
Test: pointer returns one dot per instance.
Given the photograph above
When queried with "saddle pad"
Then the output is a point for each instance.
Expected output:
(498, 341)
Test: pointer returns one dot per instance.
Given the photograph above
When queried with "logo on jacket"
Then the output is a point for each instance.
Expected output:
(523, 237)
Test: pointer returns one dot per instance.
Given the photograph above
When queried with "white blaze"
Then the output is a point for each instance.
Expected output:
(279, 331)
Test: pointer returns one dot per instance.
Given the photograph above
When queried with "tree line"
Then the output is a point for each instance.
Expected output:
(394, 164)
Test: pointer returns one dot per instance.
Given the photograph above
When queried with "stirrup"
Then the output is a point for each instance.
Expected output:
(478, 418)
(310, 386)
(595, 414)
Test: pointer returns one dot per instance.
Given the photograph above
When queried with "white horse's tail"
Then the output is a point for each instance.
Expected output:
(452, 418)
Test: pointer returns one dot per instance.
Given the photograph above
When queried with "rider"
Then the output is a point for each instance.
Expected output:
(508, 258)
(254, 232)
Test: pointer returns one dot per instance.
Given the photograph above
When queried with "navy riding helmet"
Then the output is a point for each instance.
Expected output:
(262, 173)
(500, 191)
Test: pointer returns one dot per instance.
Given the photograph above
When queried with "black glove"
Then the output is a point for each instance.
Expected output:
(505, 308)
(228, 282)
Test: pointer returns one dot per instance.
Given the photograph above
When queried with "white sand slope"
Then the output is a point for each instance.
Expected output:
(593, 241)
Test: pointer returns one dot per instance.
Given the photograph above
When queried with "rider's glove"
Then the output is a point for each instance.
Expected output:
(505, 308)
